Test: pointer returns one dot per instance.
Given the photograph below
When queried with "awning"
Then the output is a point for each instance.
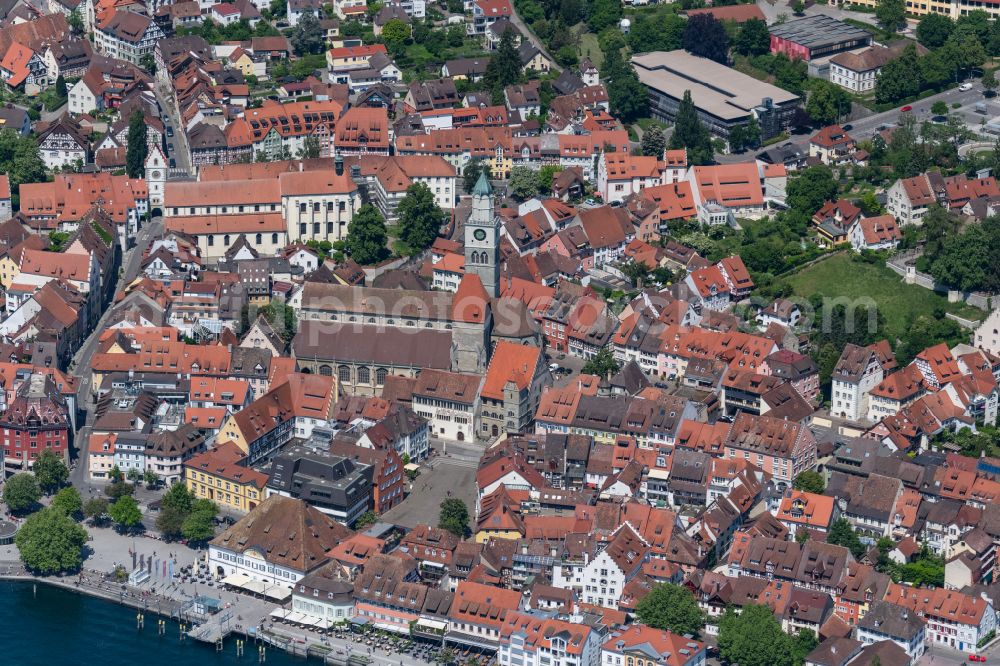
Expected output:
(411, 467)
(277, 592)
(280, 613)
(435, 625)
(361, 621)
(236, 580)
(254, 586)
(295, 618)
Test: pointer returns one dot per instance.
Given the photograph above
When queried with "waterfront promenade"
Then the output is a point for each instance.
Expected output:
(163, 596)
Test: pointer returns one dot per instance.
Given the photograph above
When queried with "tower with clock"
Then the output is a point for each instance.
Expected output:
(482, 238)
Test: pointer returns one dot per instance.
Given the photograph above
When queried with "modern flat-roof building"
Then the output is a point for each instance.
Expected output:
(816, 36)
(724, 97)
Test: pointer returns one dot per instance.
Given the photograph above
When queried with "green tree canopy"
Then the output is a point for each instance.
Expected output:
(810, 482)
(137, 149)
(933, 30)
(125, 512)
(656, 32)
(50, 470)
(842, 534)
(827, 102)
(50, 542)
(20, 160)
(602, 364)
(628, 98)
(504, 68)
(367, 236)
(753, 637)
(420, 218)
(705, 36)
(891, 14)
(810, 189)
(308, 36)
(753, 38)
(68, 501)
(199, 526)
(21, 492)
(95, 508)
(170, 522)
(900, 78)
(671, 607)
(653, 142)
(472, 171)
(365, 520)
(454, 517)
(691, 133)
(523, 183)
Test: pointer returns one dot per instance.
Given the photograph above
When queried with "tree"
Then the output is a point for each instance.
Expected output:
(673, 608)
(653, 142)
(177, 497)
(125, 512)
(310, 149)
(753, 38)
(472, 171)
(603, 14)
(61, 90)
(691, 133)
(891, 14)
(933, 30)
(842, 534)
(199, 527)
(68, 501)
(659, 32)
(628, 98)
(137, 150)
(21, 492)
(636, 271)
(75, 22)
(454, 517)
(50, 542)
(523, 183)
(899, 78)
(95, 508)
(367, 519)
(602, 364)
(798, 7)
(939, 108)
(420, 217)
(50, 470)
(20, 160)
(803, 643)
(545, 176)
(810, 482)
(753, 637)
(827, 102)
(989, 80)
(150, 478)
(367, 236)
(170, 522)
(308, 37)
(395, 32)
(808, 191)
(504, 68)
(705, 36)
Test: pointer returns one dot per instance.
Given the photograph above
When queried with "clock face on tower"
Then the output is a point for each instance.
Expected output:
(479, 234)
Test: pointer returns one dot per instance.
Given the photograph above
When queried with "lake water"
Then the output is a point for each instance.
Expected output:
(53, 626)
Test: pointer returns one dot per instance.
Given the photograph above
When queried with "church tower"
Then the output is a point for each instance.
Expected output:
(482, 238)
(156, 176)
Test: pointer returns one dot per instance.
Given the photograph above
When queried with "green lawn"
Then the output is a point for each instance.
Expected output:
(839, 276)
(590, 48)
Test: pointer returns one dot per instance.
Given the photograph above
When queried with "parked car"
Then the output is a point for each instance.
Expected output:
(965, 86)
(906, 108)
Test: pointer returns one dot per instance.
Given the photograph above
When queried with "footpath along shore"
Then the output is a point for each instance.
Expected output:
(334, 648)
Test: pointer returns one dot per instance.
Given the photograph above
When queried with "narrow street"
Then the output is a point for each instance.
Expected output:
(177, 147)
(80, 365)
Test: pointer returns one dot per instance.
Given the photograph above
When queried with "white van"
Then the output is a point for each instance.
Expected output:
(965, 86)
